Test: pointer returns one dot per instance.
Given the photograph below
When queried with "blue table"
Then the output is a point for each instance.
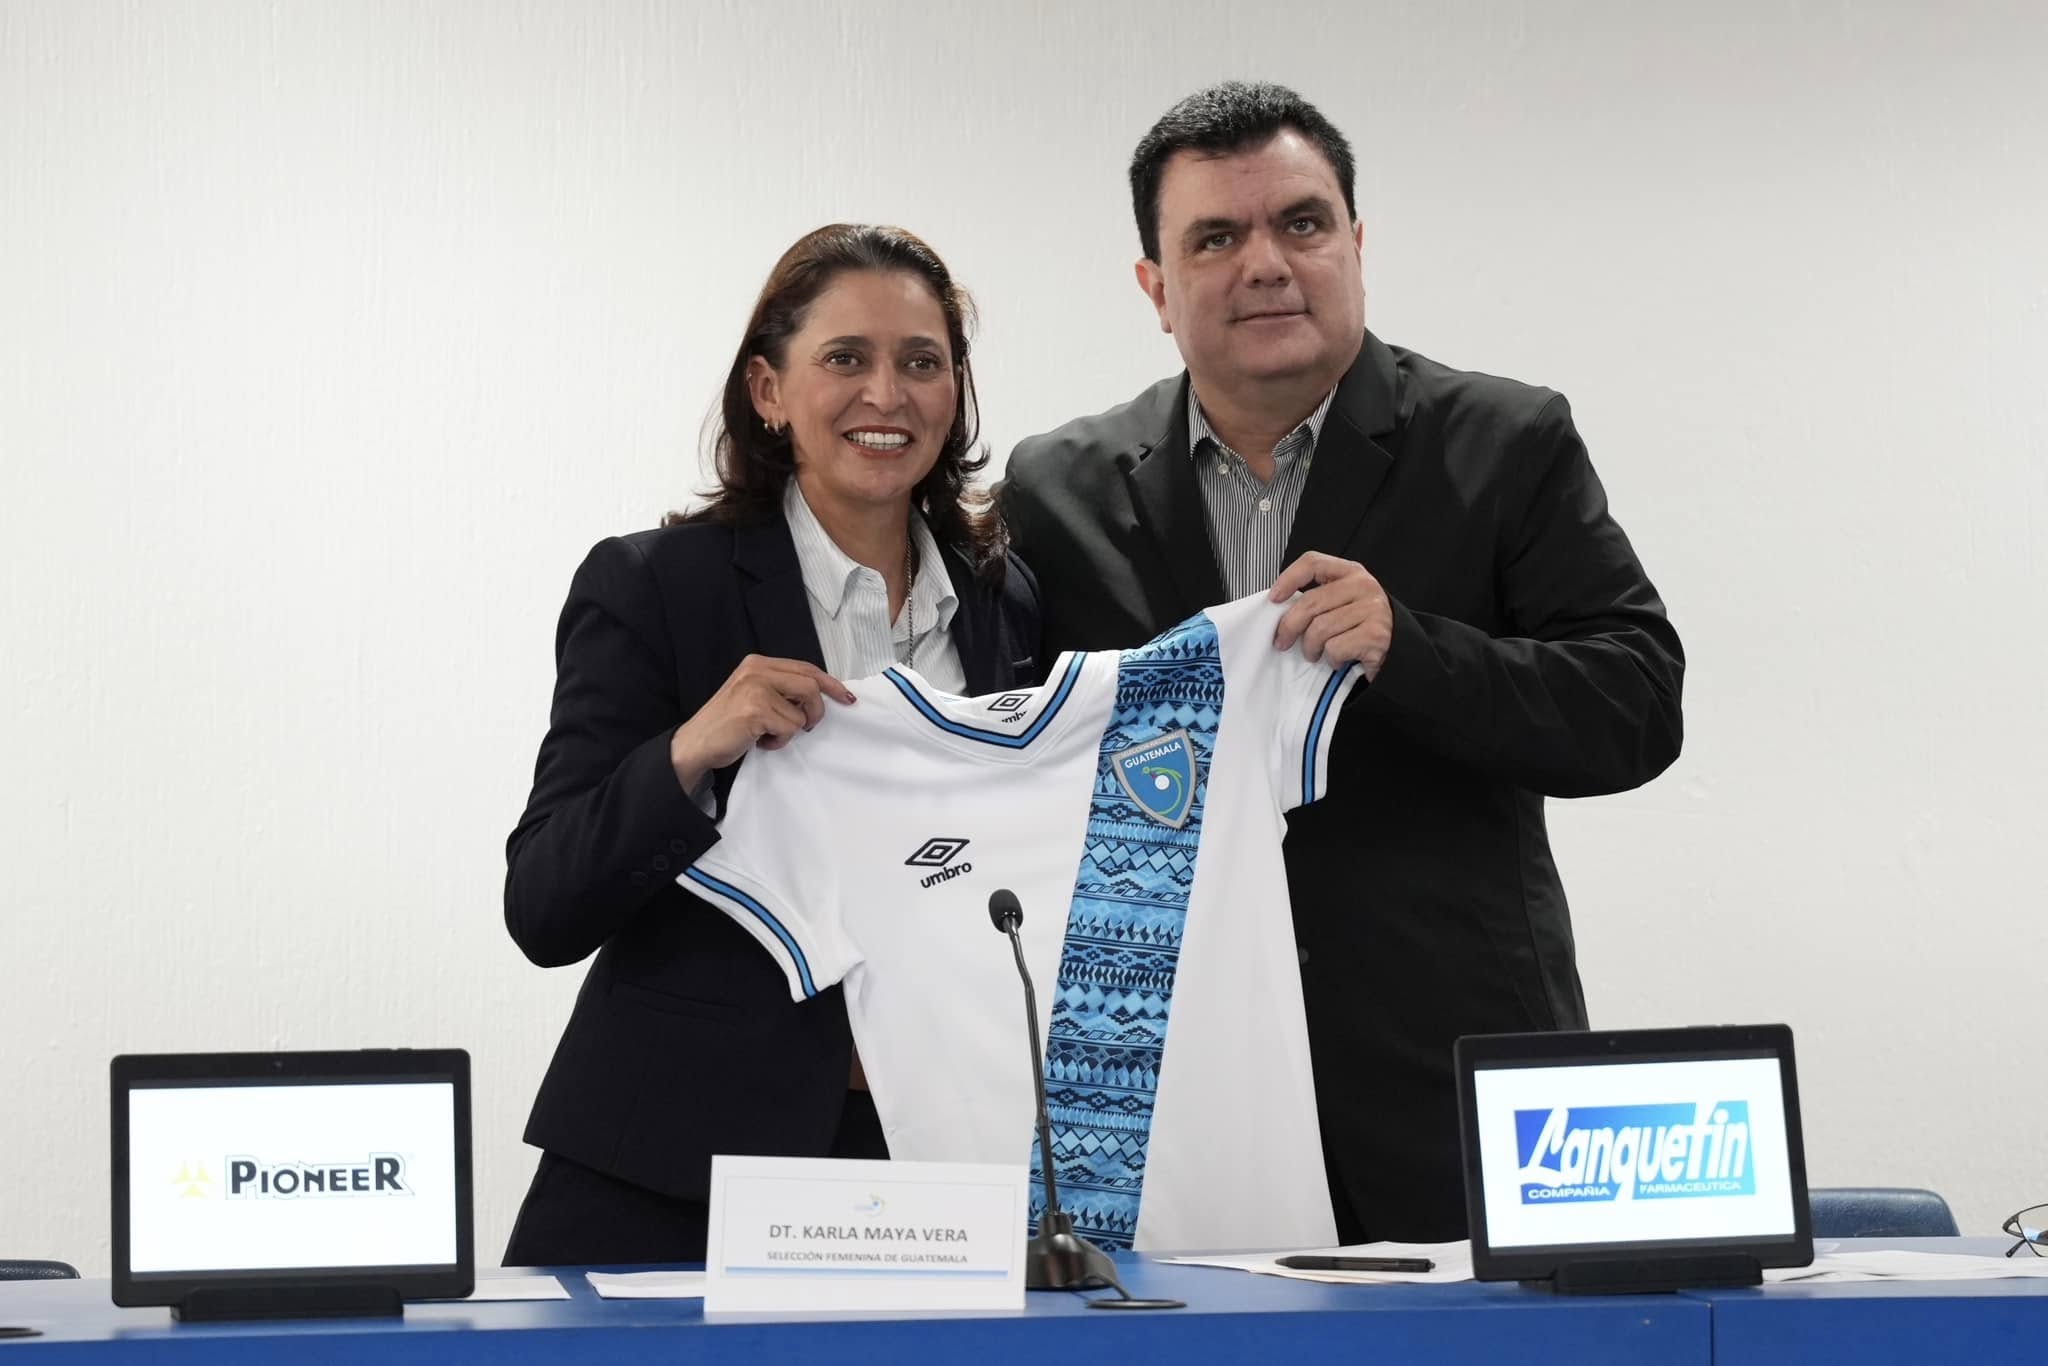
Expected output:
(1232, 1317)
(1877, 1323)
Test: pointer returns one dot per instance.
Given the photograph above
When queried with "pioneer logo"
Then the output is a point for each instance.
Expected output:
(939, 854)
(380, 1174)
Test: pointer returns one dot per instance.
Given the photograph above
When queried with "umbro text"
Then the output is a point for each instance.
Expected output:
(946, 874)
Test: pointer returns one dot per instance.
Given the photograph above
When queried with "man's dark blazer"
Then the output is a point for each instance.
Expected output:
(1530, 657)
(683, 1041)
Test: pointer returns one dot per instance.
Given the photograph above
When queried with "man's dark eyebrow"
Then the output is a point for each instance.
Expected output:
(1204, 227)
(1308, 205)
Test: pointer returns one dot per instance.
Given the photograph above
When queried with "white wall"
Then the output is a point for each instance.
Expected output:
(332, 334)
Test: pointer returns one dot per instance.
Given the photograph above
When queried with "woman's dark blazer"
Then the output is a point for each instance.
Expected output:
(683, 1041)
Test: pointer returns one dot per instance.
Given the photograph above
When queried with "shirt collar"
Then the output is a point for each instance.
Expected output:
(829, 571)
(1199, 429)
(932, 589)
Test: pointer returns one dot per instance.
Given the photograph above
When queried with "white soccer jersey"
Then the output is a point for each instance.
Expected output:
(1133, 803)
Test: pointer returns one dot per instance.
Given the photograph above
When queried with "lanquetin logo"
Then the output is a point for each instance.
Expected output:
(1634, 1152)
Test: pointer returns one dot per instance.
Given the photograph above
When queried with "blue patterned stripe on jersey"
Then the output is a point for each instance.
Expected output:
(1107, 1037)
(1315, 733)
(761, 913)
(1008, 740)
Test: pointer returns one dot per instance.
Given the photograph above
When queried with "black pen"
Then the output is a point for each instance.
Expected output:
(1306, 1263)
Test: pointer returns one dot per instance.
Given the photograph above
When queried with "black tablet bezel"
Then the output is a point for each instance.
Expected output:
(431, 1281)
(1578, 1048)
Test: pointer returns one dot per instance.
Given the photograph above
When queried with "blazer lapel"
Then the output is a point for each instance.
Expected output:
(777, 609)
(1350, 460)
(973, 637)
(1169, 506)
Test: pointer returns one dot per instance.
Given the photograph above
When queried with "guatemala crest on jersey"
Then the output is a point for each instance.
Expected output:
(1159, 775)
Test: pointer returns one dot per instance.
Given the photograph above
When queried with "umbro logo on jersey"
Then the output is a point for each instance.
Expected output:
(1011, 705)
(935, 853)
(940, 853)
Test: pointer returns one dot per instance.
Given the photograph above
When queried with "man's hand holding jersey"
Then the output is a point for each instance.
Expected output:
(1342, 614)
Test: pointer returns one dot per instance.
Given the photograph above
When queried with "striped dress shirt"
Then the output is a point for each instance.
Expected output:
(1248, 520)
(850, 604)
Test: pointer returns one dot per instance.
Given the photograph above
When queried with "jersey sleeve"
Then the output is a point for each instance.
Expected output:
(1293, 702)
(773, 871)
(1311, 695)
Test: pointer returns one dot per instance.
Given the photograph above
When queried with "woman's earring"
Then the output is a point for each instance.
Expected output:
(774, 426)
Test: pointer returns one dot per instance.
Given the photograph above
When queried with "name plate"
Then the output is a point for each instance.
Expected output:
(792, 1234)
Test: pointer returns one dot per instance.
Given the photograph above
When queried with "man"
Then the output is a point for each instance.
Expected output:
(1446, 531)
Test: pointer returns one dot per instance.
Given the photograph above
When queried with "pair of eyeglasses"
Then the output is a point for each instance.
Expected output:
(2030, 1226)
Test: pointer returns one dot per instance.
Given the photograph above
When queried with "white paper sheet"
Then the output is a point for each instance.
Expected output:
(522, 1285)
(647, 1285)
(1453, 1263)
(1908, 1266)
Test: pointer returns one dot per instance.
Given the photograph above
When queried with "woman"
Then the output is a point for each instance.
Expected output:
(841, 540)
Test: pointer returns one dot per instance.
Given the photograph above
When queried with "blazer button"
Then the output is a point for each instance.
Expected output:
(678, 847)
(639, 879)
(1301, 956)
(661, 863)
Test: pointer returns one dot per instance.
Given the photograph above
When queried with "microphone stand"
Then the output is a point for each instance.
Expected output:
(1057, 1258)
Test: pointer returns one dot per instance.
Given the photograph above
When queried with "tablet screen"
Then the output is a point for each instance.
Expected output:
(1690, 1151)
(273, 1177)
(290, 1168)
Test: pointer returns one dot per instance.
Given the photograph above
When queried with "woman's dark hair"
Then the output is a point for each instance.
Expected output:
(754, 464)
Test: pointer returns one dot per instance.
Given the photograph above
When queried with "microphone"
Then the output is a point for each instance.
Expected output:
(1058, 1258)
(1007, 915)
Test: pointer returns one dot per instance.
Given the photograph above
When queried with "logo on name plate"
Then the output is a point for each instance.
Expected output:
(1159, 775)
(1587, 1154)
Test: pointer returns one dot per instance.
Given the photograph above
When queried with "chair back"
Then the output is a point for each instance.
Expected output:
(12, 1270)
(1880, 1212)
